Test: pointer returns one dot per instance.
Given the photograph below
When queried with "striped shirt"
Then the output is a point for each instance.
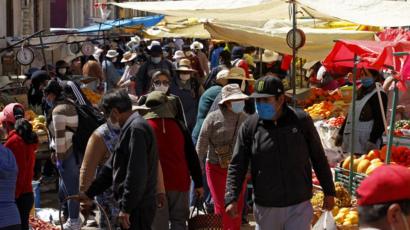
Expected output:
(64, 122)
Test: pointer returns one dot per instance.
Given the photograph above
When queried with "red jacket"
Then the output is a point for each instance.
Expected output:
(25, 158)
(171, 150)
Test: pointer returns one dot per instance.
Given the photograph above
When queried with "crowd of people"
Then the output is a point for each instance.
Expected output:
(174, 129)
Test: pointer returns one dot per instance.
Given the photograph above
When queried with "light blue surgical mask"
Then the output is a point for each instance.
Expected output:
(237, 106)
(50, 103)
(266, 111)
(367, 81)
(156, 60)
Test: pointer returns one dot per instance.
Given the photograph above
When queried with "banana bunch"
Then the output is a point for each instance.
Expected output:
(39, 125)
(343, 199)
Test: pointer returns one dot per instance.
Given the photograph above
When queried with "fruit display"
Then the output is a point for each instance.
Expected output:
(366, 164)
(402, 128)
(37, 224)
(92, 96)
(402, 124)
(343, 210)
(321, 110)
(343, 199)
(318, 95)
(336, 122)
(346, 216)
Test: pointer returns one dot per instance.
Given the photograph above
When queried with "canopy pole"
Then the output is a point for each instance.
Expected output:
(294, 25)
(353, 114)
(392, 121)
(260, 63)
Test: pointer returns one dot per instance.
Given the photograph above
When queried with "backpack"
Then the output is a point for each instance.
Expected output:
(89, 119)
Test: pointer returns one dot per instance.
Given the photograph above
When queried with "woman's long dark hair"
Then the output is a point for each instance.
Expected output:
(25, 130)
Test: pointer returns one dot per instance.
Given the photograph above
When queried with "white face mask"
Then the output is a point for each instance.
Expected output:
(161, 88)
(62, 71)
(185, 77)
(115, 126)
(156, 60)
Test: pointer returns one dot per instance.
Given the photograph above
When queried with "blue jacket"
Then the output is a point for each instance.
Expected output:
(205, 103)
(9, 214)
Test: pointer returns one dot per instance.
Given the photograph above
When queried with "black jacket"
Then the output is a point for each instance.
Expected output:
(132, 169)
(281, 157)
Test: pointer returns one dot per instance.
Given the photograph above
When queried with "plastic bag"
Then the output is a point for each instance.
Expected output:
(325, 221)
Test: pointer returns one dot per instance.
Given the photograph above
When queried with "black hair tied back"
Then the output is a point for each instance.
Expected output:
(25, 130)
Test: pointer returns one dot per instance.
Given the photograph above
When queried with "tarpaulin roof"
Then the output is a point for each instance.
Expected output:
(372, 54)
(137, 21)
(246, 12)
(318, 41)
(365, 12)
(179, 31)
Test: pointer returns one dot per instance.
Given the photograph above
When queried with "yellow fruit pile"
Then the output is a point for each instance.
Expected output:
(92, 96)
(321, 110)
(343, 198)
(39, 125)
(366, 164)
(346, 217)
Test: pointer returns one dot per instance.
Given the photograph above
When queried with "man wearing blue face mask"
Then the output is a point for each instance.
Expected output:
(282, 145)
(154, 63)
(369, 125)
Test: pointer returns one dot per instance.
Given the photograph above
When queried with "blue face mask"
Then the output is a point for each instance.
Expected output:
(237, 106)
(50, 103)
(266, 111)
(367, 81)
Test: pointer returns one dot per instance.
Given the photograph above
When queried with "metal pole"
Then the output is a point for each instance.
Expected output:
(44, 55)
(392, 120)
(294, 25)
(260, 63)
(353, 114)
(21, 41)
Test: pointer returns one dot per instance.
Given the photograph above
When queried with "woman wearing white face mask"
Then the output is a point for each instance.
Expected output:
(161, 81)
(216, 141)
(62, 67)
(188, 89)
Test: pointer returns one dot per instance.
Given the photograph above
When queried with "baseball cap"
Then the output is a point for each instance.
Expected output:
(268, 86)
(387, 183)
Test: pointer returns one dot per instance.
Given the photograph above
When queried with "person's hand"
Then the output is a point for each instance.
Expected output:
(86, 209)
(232, 209)
(338, 140)
(401, 109)
(328, 202)
(161, 200)
(199, 192)
(124, 219)
(371, 146)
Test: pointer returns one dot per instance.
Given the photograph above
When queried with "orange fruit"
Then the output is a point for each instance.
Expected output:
(363, 165)
(373, 154)
(372, 167)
